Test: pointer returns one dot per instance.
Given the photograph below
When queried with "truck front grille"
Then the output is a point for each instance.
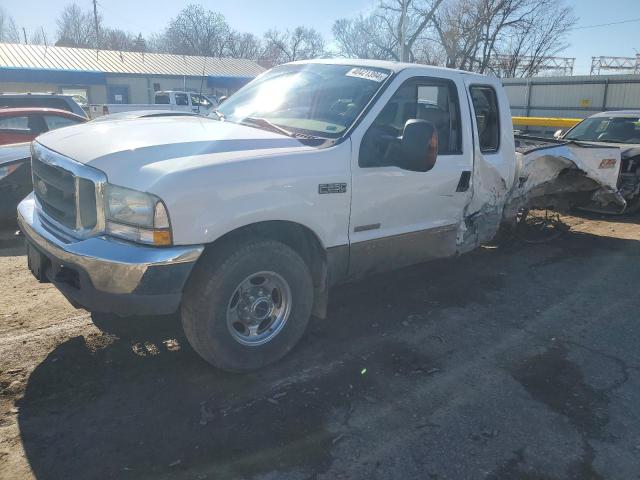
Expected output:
(66, 190)
(55, 188)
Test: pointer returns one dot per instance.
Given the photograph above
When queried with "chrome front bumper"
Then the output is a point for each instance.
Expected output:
(110, 267)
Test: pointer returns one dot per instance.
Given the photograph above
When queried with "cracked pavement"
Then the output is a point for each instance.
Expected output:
(516, 361)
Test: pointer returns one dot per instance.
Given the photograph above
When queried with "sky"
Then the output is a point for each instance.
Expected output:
(258, 16)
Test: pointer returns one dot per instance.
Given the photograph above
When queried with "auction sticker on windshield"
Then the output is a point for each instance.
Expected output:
(367, 74)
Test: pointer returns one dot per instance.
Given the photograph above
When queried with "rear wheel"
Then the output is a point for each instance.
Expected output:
(246, 306)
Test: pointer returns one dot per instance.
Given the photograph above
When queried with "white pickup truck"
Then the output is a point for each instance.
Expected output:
(165, 100)
(314, 173)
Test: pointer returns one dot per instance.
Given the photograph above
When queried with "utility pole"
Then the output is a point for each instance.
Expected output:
(403, 28)
(95, 20)
(24, 33)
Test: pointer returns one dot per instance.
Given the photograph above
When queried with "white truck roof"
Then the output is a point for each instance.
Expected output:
(387, 64)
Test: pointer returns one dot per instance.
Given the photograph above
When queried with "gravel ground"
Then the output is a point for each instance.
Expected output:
(516, 361)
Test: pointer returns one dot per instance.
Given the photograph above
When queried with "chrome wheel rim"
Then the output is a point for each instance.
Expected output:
(258, 308)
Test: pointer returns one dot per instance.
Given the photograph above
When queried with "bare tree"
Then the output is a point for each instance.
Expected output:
(534, 42)
(364, 37)
(76, 27)
(501, 36)
(116, 39)
(196, 31)
(506, 37)
(8, 30)
(139, 44)
(418, 15)
(300, 44)
(243, 45)
(38, 37)
(381, 34)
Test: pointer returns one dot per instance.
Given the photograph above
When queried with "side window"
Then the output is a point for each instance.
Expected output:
(17, 124)
(434, 100)
(162, 99)
(181, 99)
(199, 101)
(56, 121)
(485, 106)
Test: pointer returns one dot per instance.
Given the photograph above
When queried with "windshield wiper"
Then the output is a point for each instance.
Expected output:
(266, 124)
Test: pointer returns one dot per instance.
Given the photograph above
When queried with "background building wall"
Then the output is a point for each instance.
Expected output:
(572, 97)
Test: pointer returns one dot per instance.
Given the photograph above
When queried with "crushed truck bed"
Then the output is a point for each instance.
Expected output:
(548, 174)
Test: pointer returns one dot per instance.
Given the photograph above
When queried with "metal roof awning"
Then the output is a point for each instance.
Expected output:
(60, 77)
(227, 82)
(51, 58)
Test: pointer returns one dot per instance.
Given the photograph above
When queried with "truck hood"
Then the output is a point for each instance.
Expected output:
(107, 145)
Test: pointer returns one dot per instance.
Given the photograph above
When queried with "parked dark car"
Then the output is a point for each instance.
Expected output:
(19, 125)
(41, 100)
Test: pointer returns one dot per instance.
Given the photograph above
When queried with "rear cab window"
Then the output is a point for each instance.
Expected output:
(485, 106)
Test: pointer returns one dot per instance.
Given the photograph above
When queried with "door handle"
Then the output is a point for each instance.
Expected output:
(463, 183)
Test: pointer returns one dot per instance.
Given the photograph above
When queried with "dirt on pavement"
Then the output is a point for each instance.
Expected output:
(516, 361)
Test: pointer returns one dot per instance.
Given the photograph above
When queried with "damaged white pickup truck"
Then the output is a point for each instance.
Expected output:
(314, 173)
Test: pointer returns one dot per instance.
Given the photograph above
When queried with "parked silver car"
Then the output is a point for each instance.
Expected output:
(617, 129)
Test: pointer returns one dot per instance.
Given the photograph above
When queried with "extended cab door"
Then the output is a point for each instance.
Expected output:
(400, 217)
(492, 127)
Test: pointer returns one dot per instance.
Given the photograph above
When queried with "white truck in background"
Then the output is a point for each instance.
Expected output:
(314, 173)
(164, 100)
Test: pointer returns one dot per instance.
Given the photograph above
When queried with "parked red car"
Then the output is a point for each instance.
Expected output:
(18, 125)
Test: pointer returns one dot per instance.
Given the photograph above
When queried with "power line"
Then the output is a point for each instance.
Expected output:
(607, 24)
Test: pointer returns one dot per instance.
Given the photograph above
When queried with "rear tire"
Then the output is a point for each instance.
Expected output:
(246, 306)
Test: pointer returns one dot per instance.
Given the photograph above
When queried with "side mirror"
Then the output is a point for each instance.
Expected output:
(222, 99)
(417, 149)
(558, 134)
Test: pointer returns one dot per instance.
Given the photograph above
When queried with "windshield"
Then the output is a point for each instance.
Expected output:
(607, 129)
(317, 99)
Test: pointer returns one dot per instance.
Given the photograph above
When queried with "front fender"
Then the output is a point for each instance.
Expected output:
(206, 203)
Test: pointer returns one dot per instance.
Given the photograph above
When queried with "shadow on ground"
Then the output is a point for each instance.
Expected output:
(136, 402)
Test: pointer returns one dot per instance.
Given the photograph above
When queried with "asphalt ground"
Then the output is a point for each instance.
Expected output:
(516, 361)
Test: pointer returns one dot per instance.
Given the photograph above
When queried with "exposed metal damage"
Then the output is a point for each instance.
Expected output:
(559, 175)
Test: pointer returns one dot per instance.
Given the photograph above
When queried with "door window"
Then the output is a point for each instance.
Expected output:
(57, 121)
(199, 101)
(485, 106)
(434, 100)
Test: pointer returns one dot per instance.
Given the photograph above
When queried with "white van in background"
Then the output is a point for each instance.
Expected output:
(164, 100)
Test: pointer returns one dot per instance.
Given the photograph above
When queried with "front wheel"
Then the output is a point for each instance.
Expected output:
(246, 306)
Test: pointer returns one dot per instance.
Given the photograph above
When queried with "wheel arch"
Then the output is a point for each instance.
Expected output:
(299, 238)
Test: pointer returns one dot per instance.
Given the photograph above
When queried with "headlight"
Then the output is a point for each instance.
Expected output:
(137, 216)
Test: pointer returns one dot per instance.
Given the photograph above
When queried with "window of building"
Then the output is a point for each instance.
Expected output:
(485, 106)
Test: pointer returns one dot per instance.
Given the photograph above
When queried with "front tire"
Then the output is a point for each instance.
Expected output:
(246, 306)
